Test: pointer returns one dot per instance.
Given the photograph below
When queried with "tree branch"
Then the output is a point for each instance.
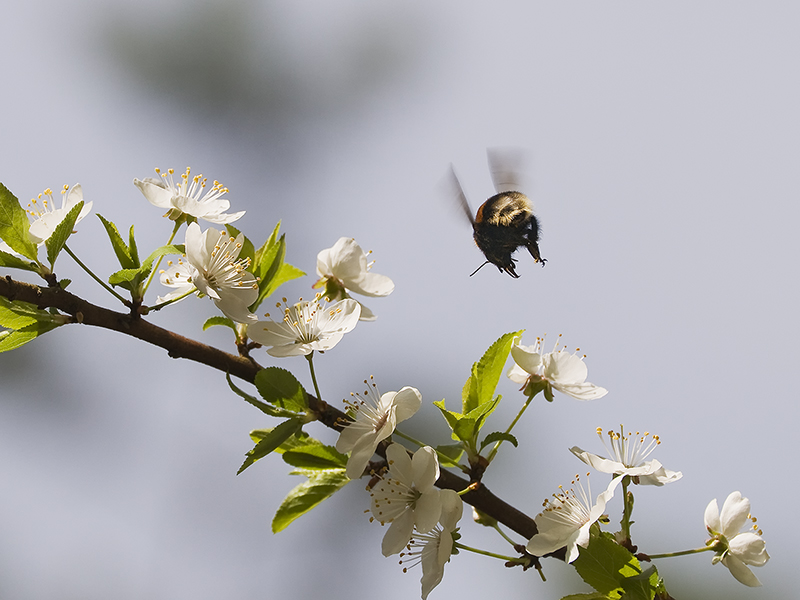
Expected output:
(245, 368)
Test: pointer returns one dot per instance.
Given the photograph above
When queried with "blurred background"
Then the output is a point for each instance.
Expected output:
(664, 141)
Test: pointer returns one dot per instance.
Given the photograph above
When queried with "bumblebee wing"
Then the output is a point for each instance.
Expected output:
(456, 192)
(506, 166)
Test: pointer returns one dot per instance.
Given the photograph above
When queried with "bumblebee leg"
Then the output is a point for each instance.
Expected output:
(533, 248)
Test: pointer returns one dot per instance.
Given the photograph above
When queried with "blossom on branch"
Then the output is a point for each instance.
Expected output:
(344, 268)
(45, 216)
(306, 326)
(433, 549)
(566, 519)
(735, 549)
(406, 496)
(559, 369)
(214, 269)
(189, 197)
(376, 417)
(628, 453)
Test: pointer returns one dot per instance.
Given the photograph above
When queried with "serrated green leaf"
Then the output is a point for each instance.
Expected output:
(485, 374)
(496, 436)
(301, 438)
(315, 457)
(17, 314)
(279, 387)
(15, 225)
(10, 340)
(121, 249)
(604, 564)
(55, 243)
(158, 253)
(451, 451)
(14, 262)
(262, 406)
(133, 250)
(306, 496)
(223, 321)
(275, 438)
(269, 268)
(128, 279)
(643, 586)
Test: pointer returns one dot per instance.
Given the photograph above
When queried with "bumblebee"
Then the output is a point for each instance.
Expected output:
(505, 221)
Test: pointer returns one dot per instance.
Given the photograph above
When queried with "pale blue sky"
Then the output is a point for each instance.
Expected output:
(664, 141)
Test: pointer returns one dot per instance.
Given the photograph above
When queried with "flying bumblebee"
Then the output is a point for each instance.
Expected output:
(506, 220)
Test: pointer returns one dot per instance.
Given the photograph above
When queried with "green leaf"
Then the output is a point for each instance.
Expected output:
(133, 250)
(124, 255)
(604, 564)
(55, 243)
(9, 340)
(466, 427)
(278, 386)
(643, 586)
(262, 406)
(128, 279)
(451, 451)
(485, 375)
(315, 456)
(301, 438)
(590, 596)
(17, 314)
(269, 268)
(223, 321)
(15, 225)
(496, 436)
(159, 252)
(308, 495)
(272, 440)
(14, 262)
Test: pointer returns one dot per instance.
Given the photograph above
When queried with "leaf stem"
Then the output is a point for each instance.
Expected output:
(682, 552)
(487, 553)
(494, 450)
(96, 278)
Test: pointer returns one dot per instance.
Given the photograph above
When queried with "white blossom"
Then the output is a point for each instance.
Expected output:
(628, 453)
(559, 369)
(213, 268)
(432, 550)
(45, 216)
(376, 417)
(189, 196)
(406, 496)
(734, 548)
(566, 519)
(344, 268)
(306, 326)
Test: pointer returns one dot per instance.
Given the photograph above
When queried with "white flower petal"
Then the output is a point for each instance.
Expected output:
(425, 466)
(398, 534)
(740, 571)
(735, 512)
